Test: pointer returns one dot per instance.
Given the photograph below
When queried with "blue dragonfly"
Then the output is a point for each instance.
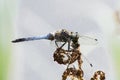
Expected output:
(64, 36)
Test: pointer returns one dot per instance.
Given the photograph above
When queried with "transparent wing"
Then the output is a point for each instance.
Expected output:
(86, 40)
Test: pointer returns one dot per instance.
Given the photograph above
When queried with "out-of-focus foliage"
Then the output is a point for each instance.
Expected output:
(116, 55)
(6, 19)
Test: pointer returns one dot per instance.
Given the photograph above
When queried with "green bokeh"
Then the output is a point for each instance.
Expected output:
(116, 55)
(7, 12)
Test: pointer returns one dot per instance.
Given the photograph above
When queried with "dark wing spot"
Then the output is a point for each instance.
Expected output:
(96, 39)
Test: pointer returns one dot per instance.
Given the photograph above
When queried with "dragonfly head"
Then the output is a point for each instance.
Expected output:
(74, 35)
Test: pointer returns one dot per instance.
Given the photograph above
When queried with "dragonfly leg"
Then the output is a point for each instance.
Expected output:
(68, 45)
(56, 44)
(62, 45)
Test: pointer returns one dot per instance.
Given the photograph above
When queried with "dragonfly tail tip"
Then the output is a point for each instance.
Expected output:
(18, 40)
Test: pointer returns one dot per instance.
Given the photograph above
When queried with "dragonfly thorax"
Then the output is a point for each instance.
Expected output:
(62, 36)
(65, 36)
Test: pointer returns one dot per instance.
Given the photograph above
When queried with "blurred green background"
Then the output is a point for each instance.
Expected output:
(7, 14)
(116, 55)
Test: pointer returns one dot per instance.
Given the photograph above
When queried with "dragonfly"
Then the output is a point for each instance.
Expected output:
(65, 56)
(62, 35)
